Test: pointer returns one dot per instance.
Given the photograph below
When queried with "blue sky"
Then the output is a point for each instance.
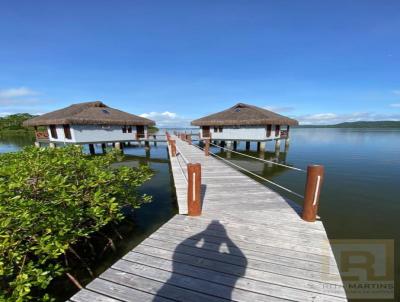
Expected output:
(318, 61)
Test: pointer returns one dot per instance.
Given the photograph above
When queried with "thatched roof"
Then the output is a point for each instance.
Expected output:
(90, 113)
(244, 114)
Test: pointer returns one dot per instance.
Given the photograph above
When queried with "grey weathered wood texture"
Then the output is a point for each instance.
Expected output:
(249, 244)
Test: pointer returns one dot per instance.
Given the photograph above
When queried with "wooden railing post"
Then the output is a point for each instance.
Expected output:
(189, 139)
(315, 177)
(173, 147)
(207, 147)
(194, 189)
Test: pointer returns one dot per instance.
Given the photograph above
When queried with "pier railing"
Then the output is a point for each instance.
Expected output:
(42, 135)
(314, 179)
(284, 134)
(141, 136)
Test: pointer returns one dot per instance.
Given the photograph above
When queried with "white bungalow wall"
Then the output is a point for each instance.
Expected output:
(94, 134)
(250, 133)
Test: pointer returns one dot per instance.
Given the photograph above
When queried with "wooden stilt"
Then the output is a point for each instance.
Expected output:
(277, 145)
(91, 149)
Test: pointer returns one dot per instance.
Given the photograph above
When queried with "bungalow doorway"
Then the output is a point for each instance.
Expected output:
(140, 132)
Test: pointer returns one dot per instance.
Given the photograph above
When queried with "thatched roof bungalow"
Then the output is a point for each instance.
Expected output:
(244, 122)
(91, 122)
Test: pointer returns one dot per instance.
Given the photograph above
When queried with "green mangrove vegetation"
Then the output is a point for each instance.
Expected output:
(51, 201)
(153, 129)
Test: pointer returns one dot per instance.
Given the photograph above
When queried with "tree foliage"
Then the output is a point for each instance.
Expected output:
(14, 122)
(153, 129)
(49, 200)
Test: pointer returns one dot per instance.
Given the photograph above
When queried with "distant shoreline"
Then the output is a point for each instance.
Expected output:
(359, 125)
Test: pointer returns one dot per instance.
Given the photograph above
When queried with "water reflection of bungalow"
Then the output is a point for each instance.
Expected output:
(89, 123)
(244, 122)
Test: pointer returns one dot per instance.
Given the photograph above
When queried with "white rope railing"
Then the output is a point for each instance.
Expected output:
(179, 154)
(254, 174)
(181, 168)
(260, 159)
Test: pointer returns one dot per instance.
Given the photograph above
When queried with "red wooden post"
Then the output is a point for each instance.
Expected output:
(173, 148)
(315, 177)
(207, 147)
(194, 189)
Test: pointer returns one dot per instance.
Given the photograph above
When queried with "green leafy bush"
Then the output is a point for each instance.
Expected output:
(49, 200)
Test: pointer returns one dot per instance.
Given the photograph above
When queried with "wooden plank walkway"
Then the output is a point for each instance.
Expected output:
(249, 245)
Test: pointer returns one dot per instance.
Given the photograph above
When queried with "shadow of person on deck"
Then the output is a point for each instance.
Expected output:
(213, 258)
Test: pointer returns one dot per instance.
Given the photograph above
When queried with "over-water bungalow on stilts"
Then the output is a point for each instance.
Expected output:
(248, 123)
(90, 123)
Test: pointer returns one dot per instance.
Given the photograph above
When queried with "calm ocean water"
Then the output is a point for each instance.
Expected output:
(360, 196)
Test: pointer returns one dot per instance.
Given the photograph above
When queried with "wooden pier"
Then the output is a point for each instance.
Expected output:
(249, 244)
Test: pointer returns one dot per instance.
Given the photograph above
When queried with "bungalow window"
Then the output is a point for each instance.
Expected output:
(67, 132)
(220, 129)
(277, 129)
(269, 127)
(123, 129)
(53, 131)
(215, 129)
(130, 129)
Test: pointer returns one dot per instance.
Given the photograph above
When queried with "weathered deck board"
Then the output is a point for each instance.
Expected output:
(249, 244)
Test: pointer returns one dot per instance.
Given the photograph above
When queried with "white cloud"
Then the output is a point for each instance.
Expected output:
(279, 109)
(167, 119)
(16, 92)
(333, 118)
(396, 92)
(17, 96)
(396, 105)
